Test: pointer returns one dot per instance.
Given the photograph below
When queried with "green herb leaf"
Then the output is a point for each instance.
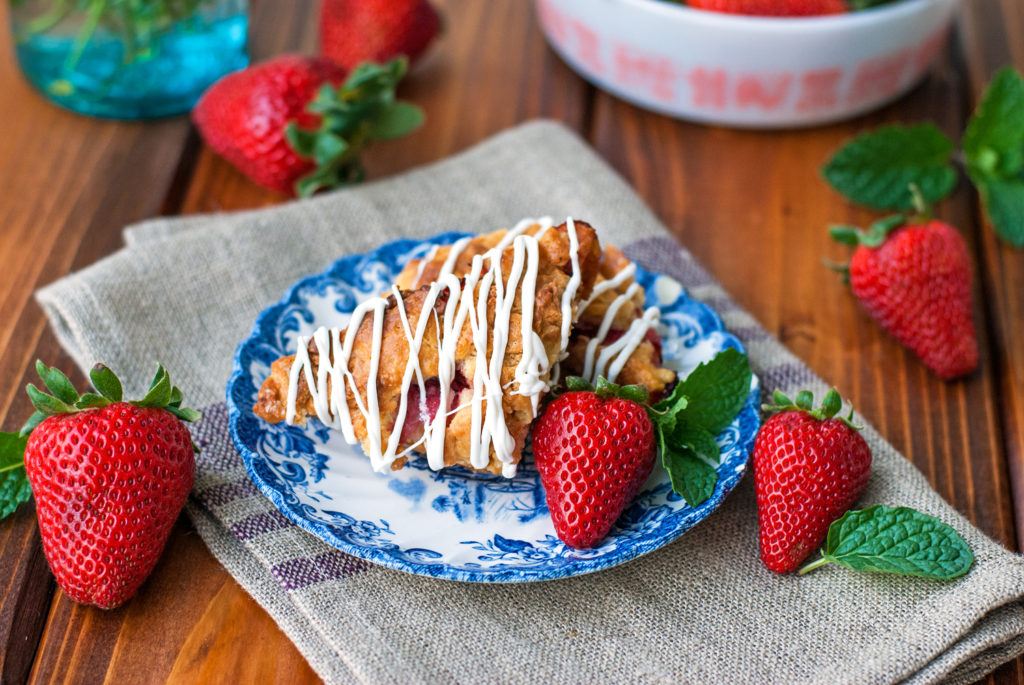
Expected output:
(716, 390)
(877, 168)
(994, 139)
(696, 438)
(106, 382)
(896, 540)
(1004, 203)
(692, 477)
(57, 383)
(14, 486)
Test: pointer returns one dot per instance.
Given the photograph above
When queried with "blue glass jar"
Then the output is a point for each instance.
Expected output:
(128, 59)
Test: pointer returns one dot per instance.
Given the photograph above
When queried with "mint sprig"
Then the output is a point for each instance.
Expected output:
(895, 540)
(877, 168)
(62, 398)
(687, 421)
(361, 110)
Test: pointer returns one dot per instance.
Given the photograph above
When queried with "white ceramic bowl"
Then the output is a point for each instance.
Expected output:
(757, 72)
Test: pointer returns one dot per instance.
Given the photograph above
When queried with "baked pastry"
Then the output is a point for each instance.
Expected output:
(481, 345)
(613, 335)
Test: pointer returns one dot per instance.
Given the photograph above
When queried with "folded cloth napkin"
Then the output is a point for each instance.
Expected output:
(186, 291)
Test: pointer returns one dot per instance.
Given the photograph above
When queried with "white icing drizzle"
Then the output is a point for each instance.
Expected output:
(489, 429)
(569, 294)
(615, 356)
(423, 265)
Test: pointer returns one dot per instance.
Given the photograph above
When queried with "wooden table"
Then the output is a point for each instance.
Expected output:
(740, 201)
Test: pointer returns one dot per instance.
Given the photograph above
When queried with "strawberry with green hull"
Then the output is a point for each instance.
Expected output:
(298, 124)
(595, 447)
(109, 478)
(914, 278)
(354, 31)
(809, 469)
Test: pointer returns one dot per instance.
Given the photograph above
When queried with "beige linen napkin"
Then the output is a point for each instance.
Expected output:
(703, 609)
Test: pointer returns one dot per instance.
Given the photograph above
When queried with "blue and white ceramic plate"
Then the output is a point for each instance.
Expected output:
(453, 523)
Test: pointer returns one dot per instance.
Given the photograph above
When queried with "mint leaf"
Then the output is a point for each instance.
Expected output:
(696, 438)
(877, 168)
(994, 139)
(716, 390)
(896, 540)
(14, 486)
(692, 477)
(1004, 203)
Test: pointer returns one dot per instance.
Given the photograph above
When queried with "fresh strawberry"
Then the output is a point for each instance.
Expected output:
(354, 31)
(915, 280)
(809, 469)
(773, 8)
(297, 124)
(593, 452)
(109, 479)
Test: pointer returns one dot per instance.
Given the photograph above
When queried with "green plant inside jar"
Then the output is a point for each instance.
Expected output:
(128, 58)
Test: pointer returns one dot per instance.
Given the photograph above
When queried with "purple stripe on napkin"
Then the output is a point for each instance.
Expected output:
(296, 574)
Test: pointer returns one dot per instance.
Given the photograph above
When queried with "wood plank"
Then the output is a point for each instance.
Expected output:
(57, 215)
(475, 83)
(993, 38)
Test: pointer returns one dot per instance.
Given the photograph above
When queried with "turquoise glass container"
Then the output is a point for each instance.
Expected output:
(128, 59)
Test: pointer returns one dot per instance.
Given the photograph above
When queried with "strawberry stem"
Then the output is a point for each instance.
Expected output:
(813, 565)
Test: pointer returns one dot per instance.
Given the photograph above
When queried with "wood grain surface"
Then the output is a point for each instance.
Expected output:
(740, 201)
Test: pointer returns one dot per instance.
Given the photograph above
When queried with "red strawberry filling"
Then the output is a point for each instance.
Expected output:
(412, 429)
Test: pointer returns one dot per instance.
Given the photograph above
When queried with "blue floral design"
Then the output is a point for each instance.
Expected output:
(285, 461)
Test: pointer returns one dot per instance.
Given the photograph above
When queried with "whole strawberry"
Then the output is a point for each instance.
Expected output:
(109, 479)
(809, 469)
(593, 450)
(915, 280)
(297, 124)
(770, 8)
(354, 31)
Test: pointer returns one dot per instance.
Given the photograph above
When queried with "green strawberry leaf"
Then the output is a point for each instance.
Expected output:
(14, 485)
(877, 168)
(692, 477)
(47, 404)
(57, 383)
(361, 110)
(91, 401)
(895, 540)
(106, 382)
(159, 392)
(716, 390)
(184, 413)
(1004, 203)
(994, 139)
(37, 418)
(396, 120)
